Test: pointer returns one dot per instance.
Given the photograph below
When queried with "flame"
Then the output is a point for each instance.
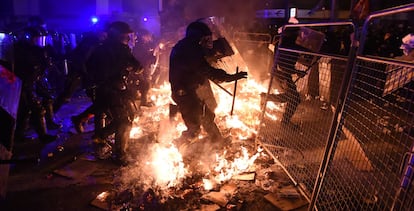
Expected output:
(136, 132)
(169, 166)
(102, 196)
(246, 107)
(163, 163)
(208, 184)
(243, 132)
(226, 169)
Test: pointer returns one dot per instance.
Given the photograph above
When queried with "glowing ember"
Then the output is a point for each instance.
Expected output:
(169, 166)
(207, 184)
(102, 196)
(226, 169)
(136, 132)
(243, 131)
(162, 164)
(181, 127)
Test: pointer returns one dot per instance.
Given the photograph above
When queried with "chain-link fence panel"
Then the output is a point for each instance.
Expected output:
(301, 101)
(256, 50)
(370, 158)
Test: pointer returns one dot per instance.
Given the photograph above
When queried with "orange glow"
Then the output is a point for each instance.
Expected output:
(102, 196)
(169, 166)
(226, 169)
(207, 184)
(164, 163)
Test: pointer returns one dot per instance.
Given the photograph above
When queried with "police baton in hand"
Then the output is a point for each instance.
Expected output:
(234, 92)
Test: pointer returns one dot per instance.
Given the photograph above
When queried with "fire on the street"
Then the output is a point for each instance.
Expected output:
(166, 158)
(163, 165)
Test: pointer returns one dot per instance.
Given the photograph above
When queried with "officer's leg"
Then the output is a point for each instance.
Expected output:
(292, 103)
(210, 126)
(191, 111)
(121, 141)
(50, 115)
(191, 117)
(39, 123)
(22, 120)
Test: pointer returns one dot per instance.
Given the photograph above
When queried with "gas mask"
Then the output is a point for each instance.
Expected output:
(206, 42)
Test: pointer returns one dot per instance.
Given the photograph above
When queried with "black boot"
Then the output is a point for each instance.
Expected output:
(41, 129)
(121, 144)
(50, 117)
(77, 123)
(99, 122)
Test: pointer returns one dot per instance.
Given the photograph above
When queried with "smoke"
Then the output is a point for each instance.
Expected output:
(157, 158)
(235, 13)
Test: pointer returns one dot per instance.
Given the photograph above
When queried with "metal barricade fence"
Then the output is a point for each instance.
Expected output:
(254, 48)
(300, 105)
(369, 162)
(343, 132)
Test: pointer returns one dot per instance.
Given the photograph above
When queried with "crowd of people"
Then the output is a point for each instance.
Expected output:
(102, 63)
(114, 66)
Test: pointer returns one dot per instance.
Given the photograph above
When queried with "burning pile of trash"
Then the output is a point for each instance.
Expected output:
(168, 174)
(233, 180)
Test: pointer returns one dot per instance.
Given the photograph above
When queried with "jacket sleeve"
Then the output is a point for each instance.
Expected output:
(212, 73)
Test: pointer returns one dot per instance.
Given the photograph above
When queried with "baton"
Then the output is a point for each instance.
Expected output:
(224, 89)
(234, 92)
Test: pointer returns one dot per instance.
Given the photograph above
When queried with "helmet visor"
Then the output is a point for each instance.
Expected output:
(40, 41)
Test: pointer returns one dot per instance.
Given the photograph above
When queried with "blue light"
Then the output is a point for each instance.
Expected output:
(145, 19)
(94, 20)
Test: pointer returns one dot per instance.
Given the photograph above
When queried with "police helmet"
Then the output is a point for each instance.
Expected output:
(35, 35)
(197, 30)
(31, 32)
(119, 27)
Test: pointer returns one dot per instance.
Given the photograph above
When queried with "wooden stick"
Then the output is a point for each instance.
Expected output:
(234, 93)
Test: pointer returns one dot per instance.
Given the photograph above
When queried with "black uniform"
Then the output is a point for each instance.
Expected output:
(110, 64)
(144, 52)
(30, 65)
(283, 69)
(78, 60)
(189, 72)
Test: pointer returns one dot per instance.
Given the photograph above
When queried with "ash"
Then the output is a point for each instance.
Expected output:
(138, 189)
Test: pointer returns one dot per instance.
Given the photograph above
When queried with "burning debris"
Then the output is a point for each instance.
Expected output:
(168, 172)
(268, 187)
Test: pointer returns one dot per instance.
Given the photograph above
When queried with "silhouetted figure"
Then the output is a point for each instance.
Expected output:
(80, 73)
(144, 52)
(110, 65)
(30, 64)
(189, 75)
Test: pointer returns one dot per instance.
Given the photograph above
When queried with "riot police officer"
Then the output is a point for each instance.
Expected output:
(110, 64)
(189, 74)
(143, 50)
(31, 61)
(78, 59)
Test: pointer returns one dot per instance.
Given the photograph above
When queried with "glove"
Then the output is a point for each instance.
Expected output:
(237, 76)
